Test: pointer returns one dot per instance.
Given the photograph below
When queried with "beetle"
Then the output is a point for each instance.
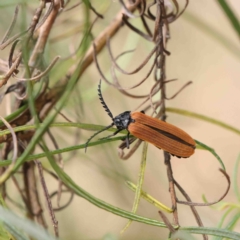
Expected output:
(161, 134)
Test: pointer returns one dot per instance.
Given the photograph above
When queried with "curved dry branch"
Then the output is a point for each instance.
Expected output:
(67, 203)
(180, 90)
(147, 28)
(5, 78)
(137, 3)
(5, 175)
(72, 7)
(95, 11)
(12, 24)
(10, 58)
(118, 85)
(136, 30)
(41, 22)
(214, 202)
(139, 67)
(153, 91)
(45, 72)
(133, 149)
(194, 211)
(150, 15)
(167, 222)
(14, 38)
(122, 90)
(180, 13)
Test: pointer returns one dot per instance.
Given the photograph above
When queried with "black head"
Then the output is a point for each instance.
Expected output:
(121, 121)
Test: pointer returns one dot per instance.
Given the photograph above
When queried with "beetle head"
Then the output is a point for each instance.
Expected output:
(122, 120)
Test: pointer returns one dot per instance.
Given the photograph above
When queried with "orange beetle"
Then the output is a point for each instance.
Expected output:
(159, 133)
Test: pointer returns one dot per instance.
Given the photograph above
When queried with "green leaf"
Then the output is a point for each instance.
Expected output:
(211, 150)
(218, 37)
(123, 213)
(230, 15)
(15, 223)
(235, 178)
(149, 198)
(212, 231)
(64, 94)
(139, 184)
(204, 118)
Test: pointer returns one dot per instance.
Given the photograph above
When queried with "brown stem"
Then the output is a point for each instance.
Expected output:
(167, 162)
(194, 211)
(47, 197)
(34, 206)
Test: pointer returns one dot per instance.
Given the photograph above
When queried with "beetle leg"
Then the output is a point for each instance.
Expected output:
(127, 140)
(119, 130)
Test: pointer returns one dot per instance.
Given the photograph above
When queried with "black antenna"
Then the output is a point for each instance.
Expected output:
(103, 102)
(108, 112)
(86, 144)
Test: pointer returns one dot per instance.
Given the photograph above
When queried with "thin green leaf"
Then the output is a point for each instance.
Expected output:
(217, 36)
(120, 212)
(204, 118)
(211, 150)
(4, 233)
(84, 126)
(13, 115)
(182, 235)
(7, 231)
(230, 15)
(18, 235)
(99, 203)
(15, 222)
(230, 225)
(150, 199)
(222, 221)
(139, 184)
(233, 222)
(109, 236)
(64, 96)
(128, 215)
(235, 178)
(63, 150)
(212, 231)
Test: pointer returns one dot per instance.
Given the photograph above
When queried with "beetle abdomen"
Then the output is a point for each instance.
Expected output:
(162, 135)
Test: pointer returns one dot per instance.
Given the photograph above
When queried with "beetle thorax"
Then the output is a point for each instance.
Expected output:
(122, 120)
